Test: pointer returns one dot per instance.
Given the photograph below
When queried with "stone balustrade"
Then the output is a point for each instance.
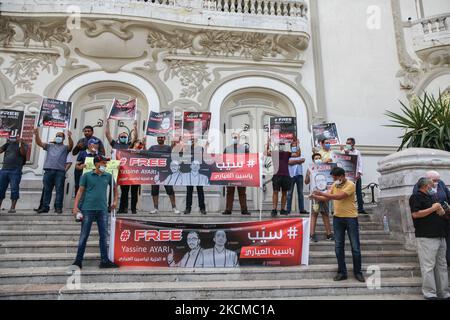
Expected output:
(429, 33)
(259, 7)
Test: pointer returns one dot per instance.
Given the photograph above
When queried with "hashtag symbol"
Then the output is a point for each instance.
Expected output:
(125, 235)
(292, 233)
(251, 163)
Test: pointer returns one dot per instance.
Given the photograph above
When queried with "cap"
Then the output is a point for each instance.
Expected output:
(100, 158)
(93, 141)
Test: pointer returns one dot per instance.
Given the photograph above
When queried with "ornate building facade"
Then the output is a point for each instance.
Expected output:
(340, 61)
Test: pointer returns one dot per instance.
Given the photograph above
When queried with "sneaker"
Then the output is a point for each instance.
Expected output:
(78, 264)
(108, 265)
(363, 212)
(12, 211)
(176, 211)
(304, 212)
(187, 211)
(154, 211)
(340, 277)
(274, 213)
(42, 211)
(58, 211)
(283, 212)
(134, 211)
(360, 277)
(226, 213)
(122, 211)
(314, 238)
(203, 211)
(431, 298)
(330, 237)
(245, 213)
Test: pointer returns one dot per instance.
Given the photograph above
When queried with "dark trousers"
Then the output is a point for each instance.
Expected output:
(124, 190)
(350, 225)
(11, 177)
(448, 245)
(53, 179)
(77, 177)
(359, 197)
(242, 198)
(201, 197)
(101, 217)
(296, 181)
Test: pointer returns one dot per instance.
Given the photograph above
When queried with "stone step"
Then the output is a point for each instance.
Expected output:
(59, 275)
(92, 259)
(72, 225)
(256, 289)
(73, 235)
(92, 246)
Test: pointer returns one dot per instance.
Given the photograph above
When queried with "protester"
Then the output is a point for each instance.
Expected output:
(350, 149)
(325, 151)
(15, 150)
(91, 151)
(319, 206)
(430, 230)
(441, 194)
(196, 156)
(345, 219)
(122, 143)
(281, 179)
(296, 174)
(161, 147)
(69, 162)
(94, 188)
(236, 148)
(54, 169)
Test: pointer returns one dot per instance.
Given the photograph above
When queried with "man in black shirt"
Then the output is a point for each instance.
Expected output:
(431, 231)
(15, 157)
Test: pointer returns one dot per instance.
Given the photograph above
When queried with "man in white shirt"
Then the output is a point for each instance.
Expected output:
(349, 148)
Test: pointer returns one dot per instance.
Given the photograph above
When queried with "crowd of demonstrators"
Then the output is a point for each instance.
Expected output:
(15, 150)
(281, 179)
(350, 149)
(345, 219)
(296, 174)
(236, 148)
(161, 147)
(55, 166)
(321, 207)
(431, 229)
(93, 189)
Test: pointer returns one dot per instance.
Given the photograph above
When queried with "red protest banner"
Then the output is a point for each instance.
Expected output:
(146, 167)
(283, 242)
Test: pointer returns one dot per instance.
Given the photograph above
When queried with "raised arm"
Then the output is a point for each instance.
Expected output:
(108, 132)
(134, 132)
(37, 138)
(69, 137)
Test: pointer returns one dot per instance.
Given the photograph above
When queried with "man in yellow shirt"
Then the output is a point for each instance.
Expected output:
(345, 219)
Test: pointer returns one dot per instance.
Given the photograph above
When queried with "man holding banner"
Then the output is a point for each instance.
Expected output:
(54, 169)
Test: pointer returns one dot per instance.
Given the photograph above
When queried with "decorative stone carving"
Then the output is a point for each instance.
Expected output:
(7, 32)
(192, 75)
(399, 173)
(97, 27)
(254, 46)
(25, 68)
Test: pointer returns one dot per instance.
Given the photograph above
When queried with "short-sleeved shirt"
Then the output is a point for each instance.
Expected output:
(83, 155)
(280, 160)
(95, 193)
(13, 159)
(431, 226)
(345, 208)
(160, 148)
(56, 156)
(119, 146)
(325, 155)
(85, 141)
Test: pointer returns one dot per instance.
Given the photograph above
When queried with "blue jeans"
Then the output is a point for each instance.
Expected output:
(53, 179)
(359, 197)
(10, 177)
(297, 180)
(101, 217)
(340, 225)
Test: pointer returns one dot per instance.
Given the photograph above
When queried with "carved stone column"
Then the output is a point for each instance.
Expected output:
(399, 173)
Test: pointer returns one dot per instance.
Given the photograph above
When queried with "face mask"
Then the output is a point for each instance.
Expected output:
(58, 140)
(318, 161)
(123, 139)
(294, 149)
(348, 147)
(432, 191)
(327, 146)
(235, 141)
(102, 168)
(338, 182)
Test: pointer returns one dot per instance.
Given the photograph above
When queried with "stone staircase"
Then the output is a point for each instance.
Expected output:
(36, 250)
